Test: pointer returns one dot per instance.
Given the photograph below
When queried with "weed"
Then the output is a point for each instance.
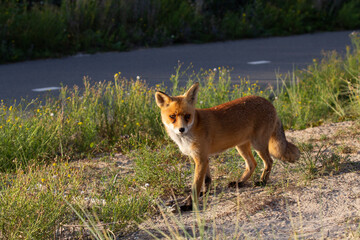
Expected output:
(90, 222)
(103, 115)
(323, 89)
(318, 161)
(32, 204)
(165, 169)
(40, 202)
(344, 149)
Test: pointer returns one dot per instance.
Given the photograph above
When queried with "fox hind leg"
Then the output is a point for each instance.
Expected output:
(250, 164)
(265, 156)
(207, 179)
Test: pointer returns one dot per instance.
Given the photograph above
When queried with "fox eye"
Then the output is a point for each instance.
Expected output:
(187, 117)
(173, 116)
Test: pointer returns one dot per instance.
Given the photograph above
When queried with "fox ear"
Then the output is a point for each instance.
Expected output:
(191, 94)
(162, 99)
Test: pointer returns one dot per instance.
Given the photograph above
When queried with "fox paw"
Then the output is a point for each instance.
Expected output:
(185, 205)
(170, 203)
(236, 184)
(186, 208)
(260, 183)
(176, 207)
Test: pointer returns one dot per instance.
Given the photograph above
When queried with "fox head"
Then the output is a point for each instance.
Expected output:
(178, 113)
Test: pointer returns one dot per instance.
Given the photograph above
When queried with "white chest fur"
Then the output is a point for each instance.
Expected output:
(185, 142)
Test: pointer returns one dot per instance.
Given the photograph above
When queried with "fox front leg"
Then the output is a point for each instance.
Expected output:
(207, 179)
(201, 169)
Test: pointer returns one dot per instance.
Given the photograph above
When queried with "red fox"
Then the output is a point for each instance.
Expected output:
(241, 123)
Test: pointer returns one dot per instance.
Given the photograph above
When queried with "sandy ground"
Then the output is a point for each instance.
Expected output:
(294, 204)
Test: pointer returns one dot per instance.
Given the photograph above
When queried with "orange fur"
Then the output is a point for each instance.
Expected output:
(241, 123)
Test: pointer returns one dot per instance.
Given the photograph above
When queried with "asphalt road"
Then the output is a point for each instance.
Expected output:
(256, 59)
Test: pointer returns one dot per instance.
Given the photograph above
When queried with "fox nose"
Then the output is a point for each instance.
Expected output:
(181, 130)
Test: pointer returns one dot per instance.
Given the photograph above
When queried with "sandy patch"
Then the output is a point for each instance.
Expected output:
(326, 207)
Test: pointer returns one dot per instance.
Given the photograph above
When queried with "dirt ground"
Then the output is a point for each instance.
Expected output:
(294, 204)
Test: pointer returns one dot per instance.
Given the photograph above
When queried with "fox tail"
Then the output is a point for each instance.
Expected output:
(280, 148)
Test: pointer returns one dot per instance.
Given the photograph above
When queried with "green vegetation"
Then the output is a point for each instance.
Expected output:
(42, 186)
(36, 204)
(328, 89)
(101, 117)
(40, 29)
(322, 163)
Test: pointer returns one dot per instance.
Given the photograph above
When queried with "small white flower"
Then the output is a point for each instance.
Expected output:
(137, 77)
(201, 102)
(147, 185)
(276, 98)
(51, 114)
(215, 69)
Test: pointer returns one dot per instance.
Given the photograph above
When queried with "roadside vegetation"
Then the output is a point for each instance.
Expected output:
(47, 191)
(33, 29)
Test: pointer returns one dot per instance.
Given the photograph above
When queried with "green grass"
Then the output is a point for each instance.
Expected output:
(36, 204)
(103, 116)
(40, 29)
(317, 161)
(153, 167)
(44, 192)
(327, 90)
(28, 206)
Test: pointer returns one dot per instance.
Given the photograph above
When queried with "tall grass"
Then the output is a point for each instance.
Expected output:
(31, 204)
(153, 167)
(327, 89)
(40, 203)
(101, 116)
